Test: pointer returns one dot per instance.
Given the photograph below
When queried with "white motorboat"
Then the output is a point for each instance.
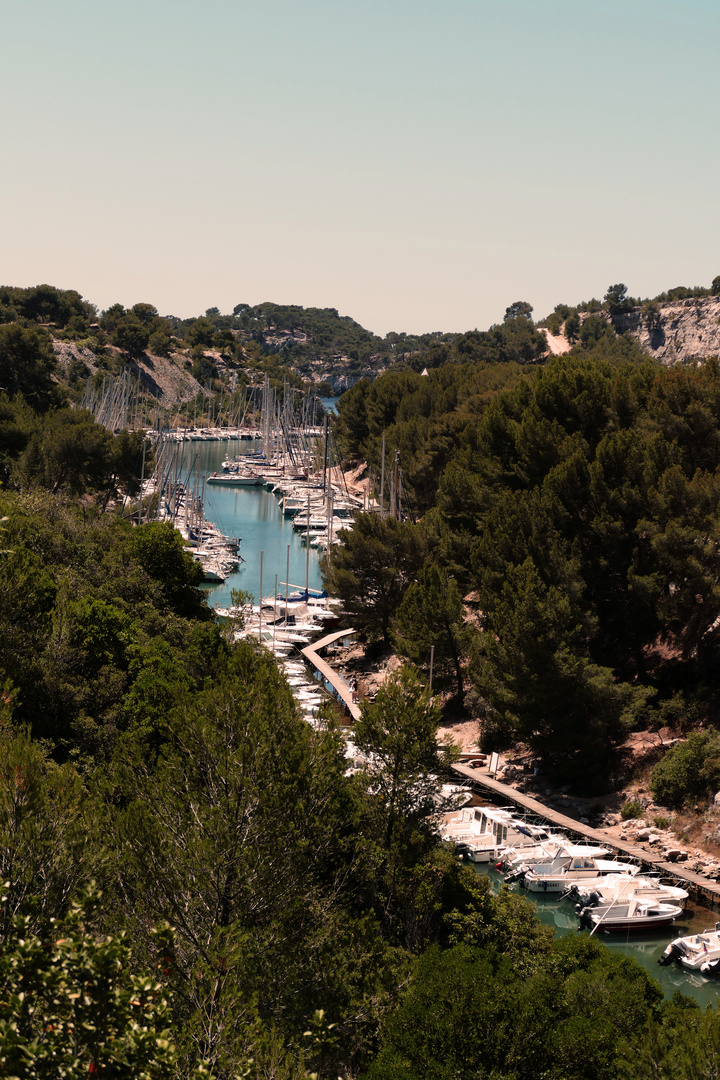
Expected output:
(515, 860)
(236, 479)
(609, 887)
(628, 916)
(697, 952)
(480, 833)
(557, 876)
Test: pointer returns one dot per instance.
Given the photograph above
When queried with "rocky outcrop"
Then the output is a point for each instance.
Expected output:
(681, 332)
(167, 378)
(68, 353)
(341, 373)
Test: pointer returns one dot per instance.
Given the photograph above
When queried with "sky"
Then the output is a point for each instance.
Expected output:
(418, 166)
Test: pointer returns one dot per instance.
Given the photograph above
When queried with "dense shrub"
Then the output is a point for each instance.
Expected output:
(689, 770)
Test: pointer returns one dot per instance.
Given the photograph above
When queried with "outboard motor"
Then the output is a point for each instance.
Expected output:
(516, 875)
(711, 967)
(592, 900)
(672, 954)
(586, 922)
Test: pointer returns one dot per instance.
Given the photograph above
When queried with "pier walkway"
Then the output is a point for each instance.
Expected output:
(482, 779)
(339, 685)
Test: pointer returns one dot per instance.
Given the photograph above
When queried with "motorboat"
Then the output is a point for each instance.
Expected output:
(609, 887)
(236, 479)
(629, 916)
(556, 876)
(698, 952)
(481, 833)
(515, 860)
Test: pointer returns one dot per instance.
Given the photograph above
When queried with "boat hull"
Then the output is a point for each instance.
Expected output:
(623, 926)
(637, 916)
(229, 480)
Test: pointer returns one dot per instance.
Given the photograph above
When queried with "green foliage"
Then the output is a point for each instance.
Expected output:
(593, 329)
(427, 418)
(131, 335)
(601, 471)
(689, 770)
(160, 342)
(85, 607)
(71, 454)
(431, 614)
(160, 549)
(251, 868)
(569, 1017)
(617, 300)
(18, 423)
(538, 678)
(572, 326)
(201, 332)
(137, 329)
(554, 323)
(398, 733)
(46, 304)
(631, 809)
(46, 833)
(372, 567)
(27, 366)
(520, 309)
(71, 1007)
(684, 1045)
(503, 923)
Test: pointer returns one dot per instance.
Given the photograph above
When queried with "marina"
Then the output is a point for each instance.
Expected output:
(647, 946)
(253, 514)
(709, 890)
(275, 561)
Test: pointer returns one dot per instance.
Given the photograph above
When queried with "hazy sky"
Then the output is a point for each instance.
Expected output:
(416, 165)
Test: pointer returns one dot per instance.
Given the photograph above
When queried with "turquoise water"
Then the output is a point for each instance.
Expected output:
(646, 948)
(253, 514)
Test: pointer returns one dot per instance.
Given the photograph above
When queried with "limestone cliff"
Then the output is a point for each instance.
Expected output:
(679, 332)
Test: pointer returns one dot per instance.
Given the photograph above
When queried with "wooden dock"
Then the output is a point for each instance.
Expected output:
(339, 685)
(482, 779)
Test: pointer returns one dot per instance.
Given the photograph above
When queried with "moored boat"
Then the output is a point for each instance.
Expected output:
(629, 916)
(558, 875)
(609, 887)
(235, 479)
(482, 833)
(697, 952)
(516, 860)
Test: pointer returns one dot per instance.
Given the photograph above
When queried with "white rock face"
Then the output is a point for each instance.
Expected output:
(681, 332)
(685, 330)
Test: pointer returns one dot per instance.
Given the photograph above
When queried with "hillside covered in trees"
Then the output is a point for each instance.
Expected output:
(194, 883)
(316, 346)
(178, 359)
(579, 506)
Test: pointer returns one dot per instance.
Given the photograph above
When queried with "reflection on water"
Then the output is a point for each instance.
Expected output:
(645, 947)
(253, 514)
